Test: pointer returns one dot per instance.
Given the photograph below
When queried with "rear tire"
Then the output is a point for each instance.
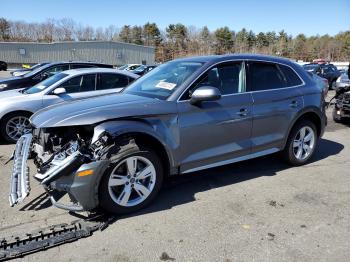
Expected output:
(301, 143)
(133, 179)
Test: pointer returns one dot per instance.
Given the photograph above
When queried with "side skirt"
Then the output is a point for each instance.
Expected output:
(233, 160)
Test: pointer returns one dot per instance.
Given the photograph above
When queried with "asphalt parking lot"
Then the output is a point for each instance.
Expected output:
(257, 210)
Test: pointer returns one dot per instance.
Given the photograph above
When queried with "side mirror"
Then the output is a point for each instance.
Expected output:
(59, 91)
(205, 93)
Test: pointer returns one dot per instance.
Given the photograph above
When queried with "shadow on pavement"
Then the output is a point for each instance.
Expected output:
(182, 189)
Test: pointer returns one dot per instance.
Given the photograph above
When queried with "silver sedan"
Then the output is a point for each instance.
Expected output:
(16, 106)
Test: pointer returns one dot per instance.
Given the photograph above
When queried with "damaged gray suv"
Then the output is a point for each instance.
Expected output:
(113, 152)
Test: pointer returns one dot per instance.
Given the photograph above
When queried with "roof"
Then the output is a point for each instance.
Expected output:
(80, 71)
(218, 58)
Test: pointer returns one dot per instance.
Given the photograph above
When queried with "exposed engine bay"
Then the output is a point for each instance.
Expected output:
(342, 104)
(62, 157)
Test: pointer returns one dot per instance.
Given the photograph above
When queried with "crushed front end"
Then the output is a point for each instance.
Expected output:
(342, 105)
(69, 161)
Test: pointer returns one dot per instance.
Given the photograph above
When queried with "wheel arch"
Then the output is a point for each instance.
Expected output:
(16, 112)
(144, 134)
(309, 114)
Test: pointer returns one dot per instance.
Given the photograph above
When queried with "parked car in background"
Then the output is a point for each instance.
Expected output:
(328, 71)
(18, 105)
(43, 72)
(186, 115)
(143, 69)
(23, 71)
(129, 67)
(3, 66)
(322, 82)
(342, 81)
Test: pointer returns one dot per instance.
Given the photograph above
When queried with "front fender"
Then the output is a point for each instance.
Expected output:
(160, 131)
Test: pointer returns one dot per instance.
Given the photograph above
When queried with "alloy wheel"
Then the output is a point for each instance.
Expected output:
(17, 126)
(132, 181)
(304, 143)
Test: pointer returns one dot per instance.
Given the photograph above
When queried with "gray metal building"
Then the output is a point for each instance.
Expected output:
(115, 53)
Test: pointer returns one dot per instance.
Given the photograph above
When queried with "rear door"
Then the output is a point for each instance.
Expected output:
(216, 132)
(276, 101)
(81, 86)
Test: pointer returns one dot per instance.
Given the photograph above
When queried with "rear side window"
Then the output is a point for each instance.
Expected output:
(108, 81)
(56, 69)
(292, 78)
(265, 76)
(80, 84)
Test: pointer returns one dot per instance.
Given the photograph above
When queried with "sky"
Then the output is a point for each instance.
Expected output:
(310, 17)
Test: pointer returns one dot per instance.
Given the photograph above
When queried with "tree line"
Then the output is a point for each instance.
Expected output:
(178, 40)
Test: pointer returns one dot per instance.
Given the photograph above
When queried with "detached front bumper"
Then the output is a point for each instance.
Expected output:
(20, 187)
(74, 175)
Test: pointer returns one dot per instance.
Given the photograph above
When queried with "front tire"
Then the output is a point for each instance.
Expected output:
(301, 143)
(13, 126)
(132, 181)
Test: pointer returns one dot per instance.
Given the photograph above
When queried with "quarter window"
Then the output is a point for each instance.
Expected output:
(265, 76)
(292, 78)
(80, 84)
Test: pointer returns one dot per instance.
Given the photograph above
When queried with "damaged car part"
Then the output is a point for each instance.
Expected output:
(20, 175)
(113, 151)
(341, 110)
(55, 235)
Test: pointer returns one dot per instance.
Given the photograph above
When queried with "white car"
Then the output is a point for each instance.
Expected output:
(129, 67)
(18, 105)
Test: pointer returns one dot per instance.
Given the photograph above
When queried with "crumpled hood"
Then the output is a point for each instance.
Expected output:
(98, 109)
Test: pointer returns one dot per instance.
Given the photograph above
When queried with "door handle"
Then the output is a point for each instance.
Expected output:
(294, 104)
(242, 112)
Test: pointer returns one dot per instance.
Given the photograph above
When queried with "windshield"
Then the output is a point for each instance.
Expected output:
(140, 68)
(162, 81)
(37, 66)
(37, 70)
(45, 84)
(123, 67)
(310, 67)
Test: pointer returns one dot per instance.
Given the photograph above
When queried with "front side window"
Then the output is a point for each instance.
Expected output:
(162, 81)
(82, 83)
(109, 81)
(227, 77)
(265, 76)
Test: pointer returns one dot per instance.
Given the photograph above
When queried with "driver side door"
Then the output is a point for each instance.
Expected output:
(218, 132)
